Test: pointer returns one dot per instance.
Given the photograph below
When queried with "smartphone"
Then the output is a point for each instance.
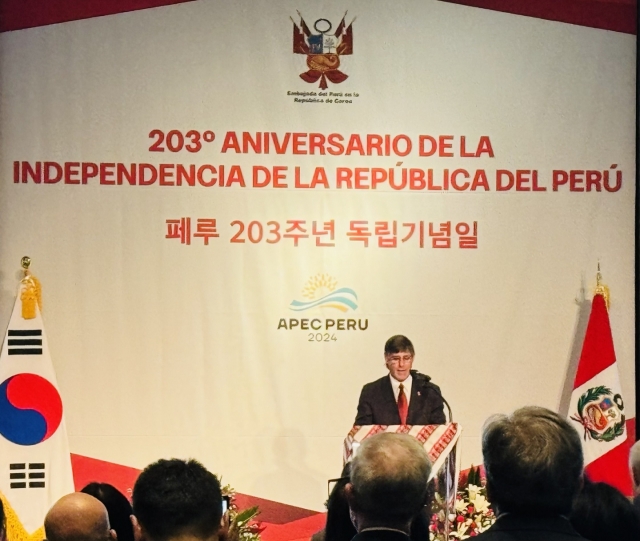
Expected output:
(225, 504)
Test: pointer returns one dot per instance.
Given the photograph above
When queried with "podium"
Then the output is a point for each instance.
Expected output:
(439, 441)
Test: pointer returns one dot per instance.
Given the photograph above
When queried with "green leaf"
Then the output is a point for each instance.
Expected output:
(246, 515)
(591, 395)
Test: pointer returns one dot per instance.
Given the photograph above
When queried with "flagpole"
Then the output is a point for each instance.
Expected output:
(602, 289)
(31, 293)
(637, 235)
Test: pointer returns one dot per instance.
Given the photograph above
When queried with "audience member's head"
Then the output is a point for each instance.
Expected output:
(174, 498)
(78, 517)
(533, 462)
(603, 513)
(389, 481)
(3, 523)
(339, 526)
(634, 466)
(118, 508)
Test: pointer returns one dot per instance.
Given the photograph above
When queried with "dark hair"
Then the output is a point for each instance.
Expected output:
(420, 525)
(118, 508)
(533, 461)
(175, 497)
(602, 513)
(3, 519)
(339, 526)
(398, 343)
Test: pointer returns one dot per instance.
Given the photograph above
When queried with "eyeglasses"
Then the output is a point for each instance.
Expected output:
(331, 484)
(396, 359)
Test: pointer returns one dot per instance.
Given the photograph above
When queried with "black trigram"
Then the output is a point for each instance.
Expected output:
(25, 342)
(19, 474)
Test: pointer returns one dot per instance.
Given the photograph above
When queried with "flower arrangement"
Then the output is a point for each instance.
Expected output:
(473, 512)
(242, 523)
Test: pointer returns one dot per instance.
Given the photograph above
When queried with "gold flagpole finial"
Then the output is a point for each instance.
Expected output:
(601, 289)
(25, 262)
(31, 293)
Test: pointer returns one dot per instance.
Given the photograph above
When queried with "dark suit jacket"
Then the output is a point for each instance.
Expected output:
(381, 535)
(377, 405)
(518, 528)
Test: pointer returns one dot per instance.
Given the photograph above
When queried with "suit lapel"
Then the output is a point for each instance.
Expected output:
(390, 400)
(414, 403)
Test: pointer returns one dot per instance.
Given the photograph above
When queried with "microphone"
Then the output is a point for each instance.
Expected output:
(448, 408)
(427, 381)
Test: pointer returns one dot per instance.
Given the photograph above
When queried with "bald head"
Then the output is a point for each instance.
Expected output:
(77, 517)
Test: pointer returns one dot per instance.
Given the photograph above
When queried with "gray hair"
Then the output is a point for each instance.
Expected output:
(634, 455)
(634, 464)
(533, 460)
(389, 475)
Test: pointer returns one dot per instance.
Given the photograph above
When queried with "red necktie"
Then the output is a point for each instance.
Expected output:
(403, 407)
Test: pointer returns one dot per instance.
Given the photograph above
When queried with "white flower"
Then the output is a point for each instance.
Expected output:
(481, 504)
(462, 529)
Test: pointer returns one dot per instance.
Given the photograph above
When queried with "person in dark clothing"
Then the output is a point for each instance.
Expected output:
(3, 523)
(404, 396)
(174, 500)
(339, 526)
(602, 513)
(634, 468)
(533, 461)
(388, 487)
(118, 508)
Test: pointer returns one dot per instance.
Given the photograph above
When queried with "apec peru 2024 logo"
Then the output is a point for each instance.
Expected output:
(323, 49)
(321, 294)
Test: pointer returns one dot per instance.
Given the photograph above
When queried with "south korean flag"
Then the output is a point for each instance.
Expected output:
(35, 464)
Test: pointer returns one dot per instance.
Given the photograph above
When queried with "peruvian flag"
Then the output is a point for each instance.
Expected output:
(597, 408)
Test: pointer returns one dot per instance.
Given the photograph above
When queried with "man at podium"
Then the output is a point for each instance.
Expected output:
(404, 396)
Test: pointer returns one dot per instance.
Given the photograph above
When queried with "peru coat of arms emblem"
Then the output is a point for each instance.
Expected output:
(323, 49)
(601, 414)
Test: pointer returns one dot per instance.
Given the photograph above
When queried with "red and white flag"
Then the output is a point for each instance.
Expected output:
(596, 406)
